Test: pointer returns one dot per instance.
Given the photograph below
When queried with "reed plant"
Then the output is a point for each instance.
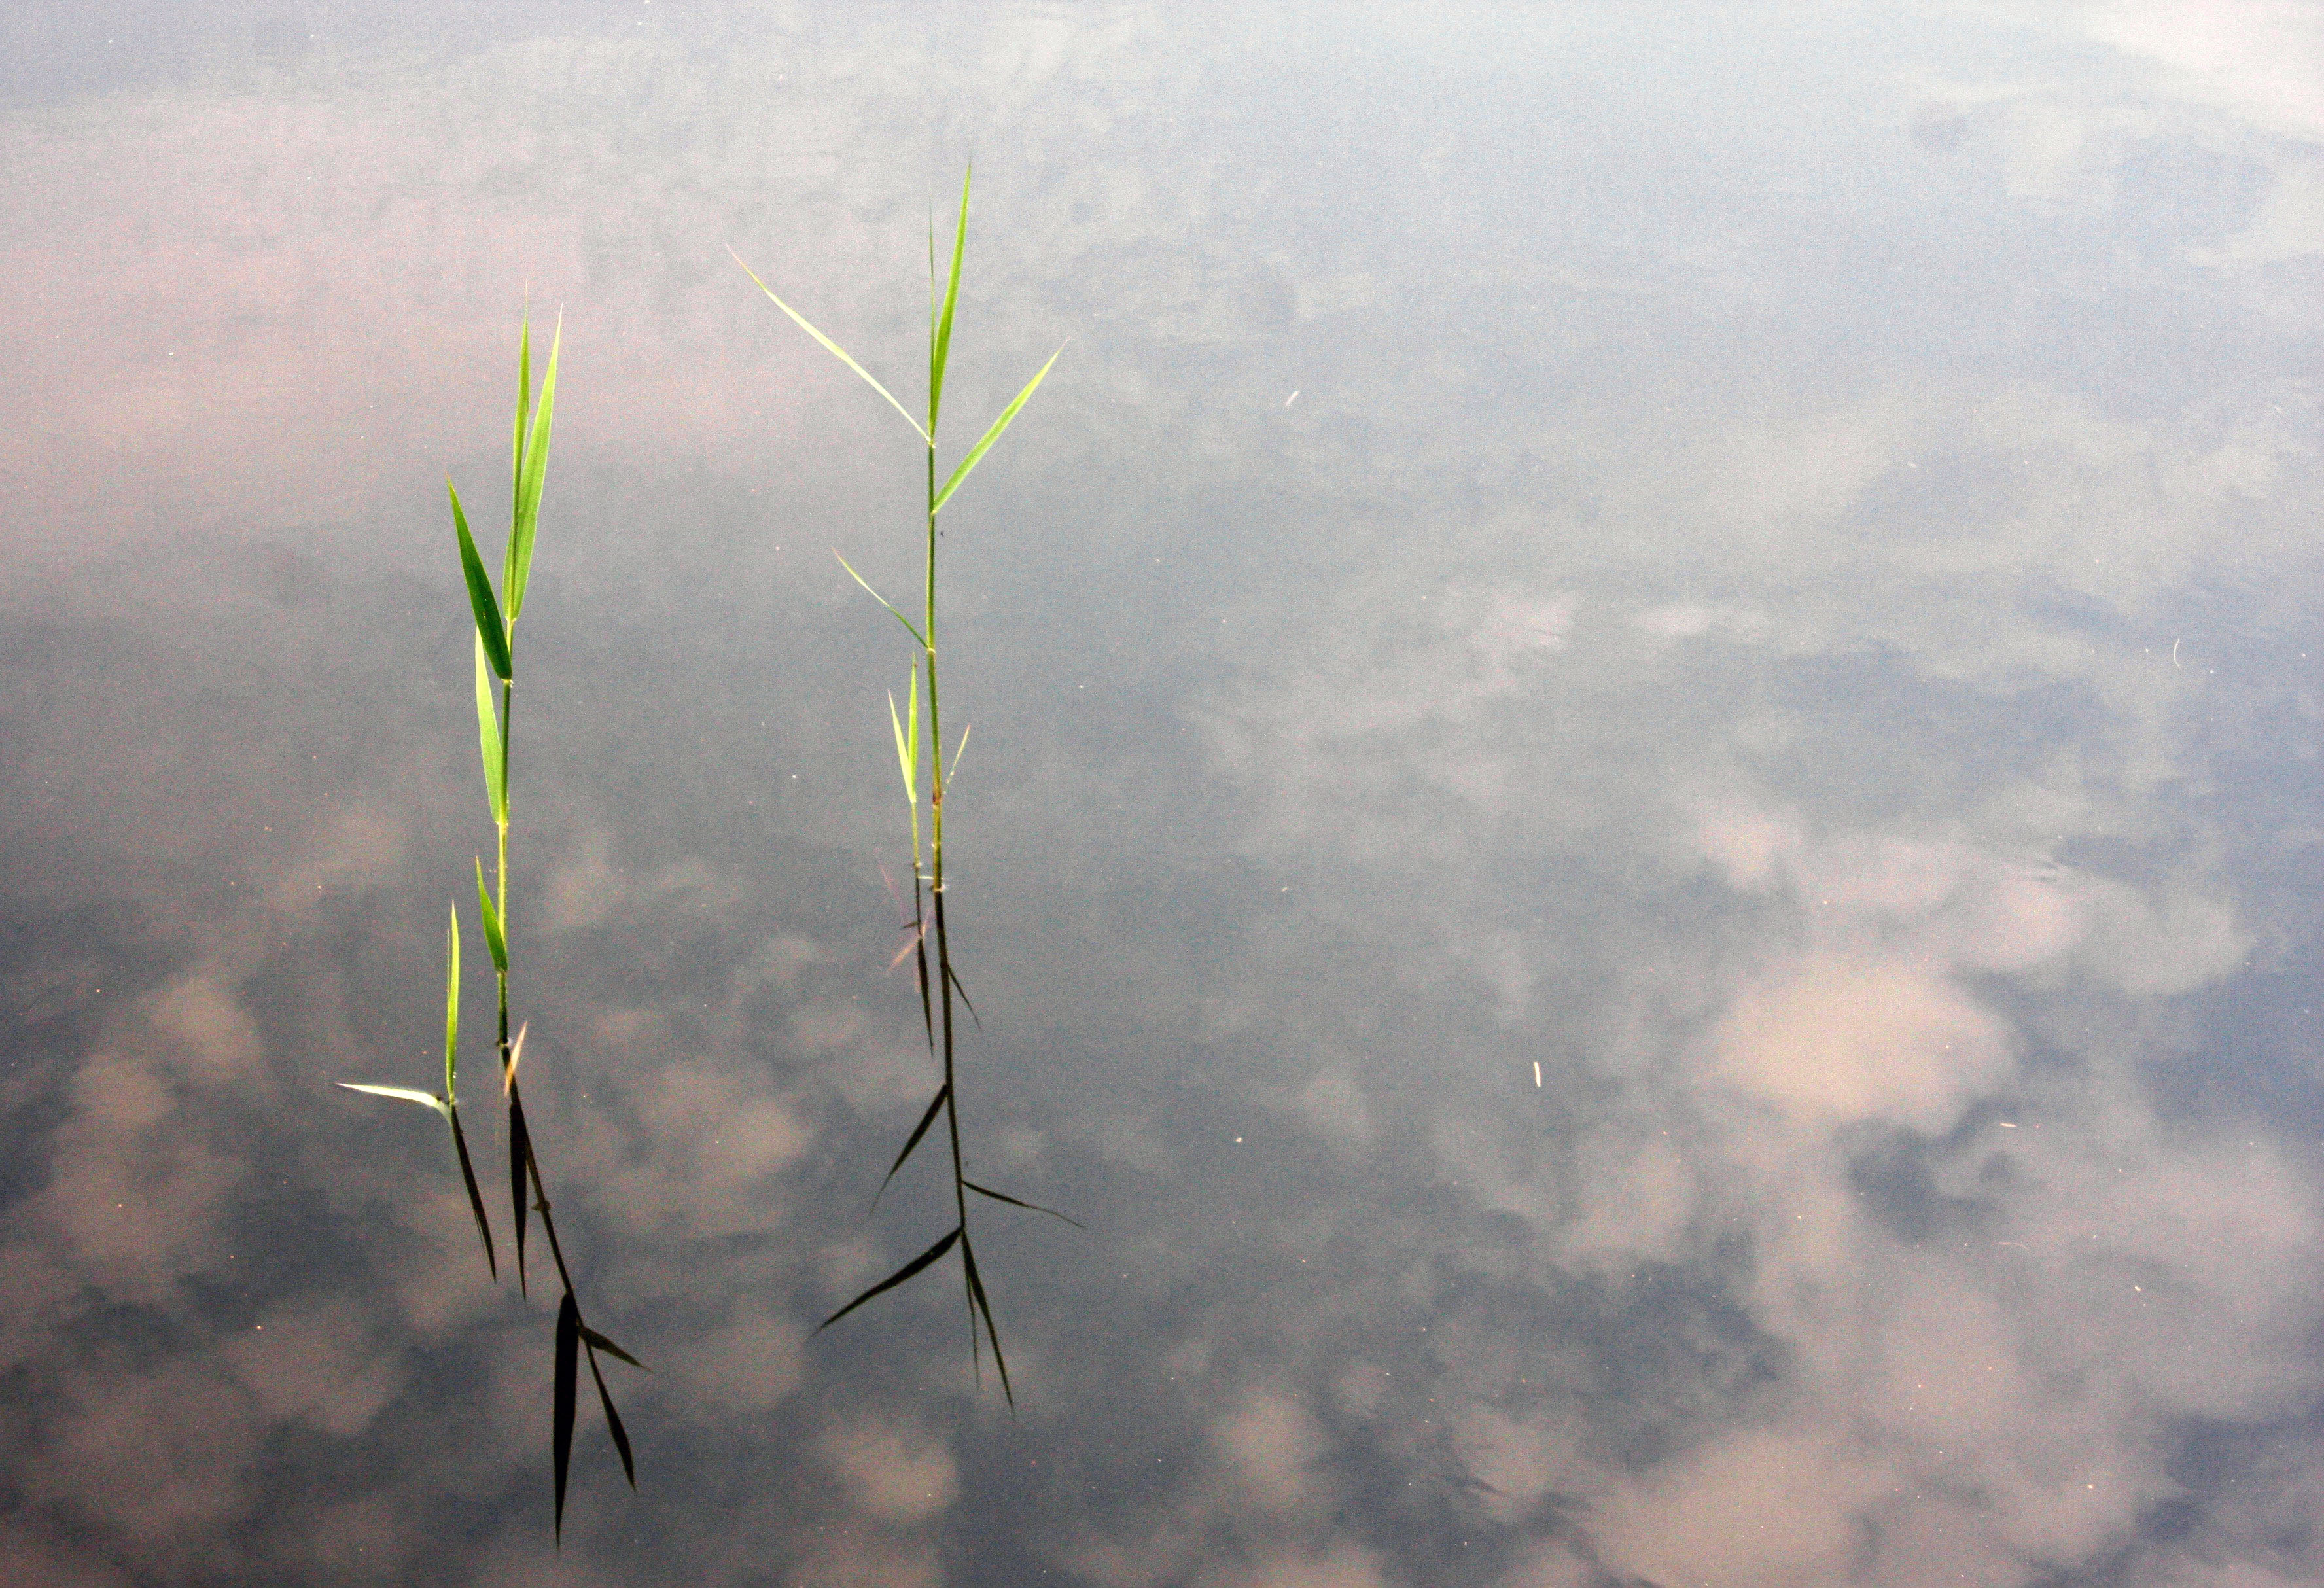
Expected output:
(920, 757)
(495, 615)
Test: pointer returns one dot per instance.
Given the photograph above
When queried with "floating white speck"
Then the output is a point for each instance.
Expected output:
(1537, 1072)
(1287, 401)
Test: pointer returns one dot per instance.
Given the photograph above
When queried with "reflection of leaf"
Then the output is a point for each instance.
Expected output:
(568, 1368)
(919, 1131)
(894, 1280)
(520, 1154)
(610, 1349)
(605, 1399)
(1017, 1202)
(976, 1295)
(475, 1196)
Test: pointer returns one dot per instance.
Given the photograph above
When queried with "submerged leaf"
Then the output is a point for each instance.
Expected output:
(894, 1280)
(490, 629)
(568, 1366)
(400, 1094)
(1019, 1202)
(919, 1131)
(991, 436)
(835, 348)
(475, 1196)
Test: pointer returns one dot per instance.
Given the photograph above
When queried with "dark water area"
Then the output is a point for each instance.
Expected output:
(1762, 560)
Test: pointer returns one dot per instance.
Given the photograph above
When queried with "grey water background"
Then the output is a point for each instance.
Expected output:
(1786, 595)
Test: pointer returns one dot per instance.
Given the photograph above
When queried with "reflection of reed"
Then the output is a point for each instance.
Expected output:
(495, 661)
(939, 987)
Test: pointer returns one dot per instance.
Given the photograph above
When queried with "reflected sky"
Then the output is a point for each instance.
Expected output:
(1761, 560)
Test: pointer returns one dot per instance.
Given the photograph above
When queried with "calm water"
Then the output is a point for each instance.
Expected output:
(1763, 560)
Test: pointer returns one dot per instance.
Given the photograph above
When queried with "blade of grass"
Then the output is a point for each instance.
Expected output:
(896, 1278)
(883, 600)
(568, 1351)
(833, 349)
(400, 1094)
(475, 1196)
(489, 745)
(613, 1418)
(493, 941)
(523, 421)
(519, 1153)
(610, 1349)
(976, 452)
(936, 1105)
(1019, 1202)
(943, 349)
(976, 1293)
(490, 629)
(529, 481)
(452, 1010)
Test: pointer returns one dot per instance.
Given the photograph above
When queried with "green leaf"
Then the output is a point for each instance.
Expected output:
(835, 349)
(605, 1399)
(531, 476)
(523, 415)
(1016, 1202)
(569, 1373)
(991, 436)
(942, 349)
(475, 1196)
(610, 1349)
(908, 743)
(894, 1280)
(403, 1093)
(489, 745)
(976, 1295)
(919, 1131)
(452, 1010)
(490, 630)
(493, 938)
(883, 601)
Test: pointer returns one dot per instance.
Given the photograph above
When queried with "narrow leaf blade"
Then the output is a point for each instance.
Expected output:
(526, 523)
(1019, 1202)
(568, 1372)
(490, 629)
(1007, 415)
(493, 940)
(452, 1011)
(520, 1154)
(896, 1278)
(475, 1196)
(523, 417)
(833, 349)
(400, 1094)
(610, 1349)
(952, 296)
(613, 1418)
(489, 745)
(936, 1105)
(984, 1304)
(883, 600)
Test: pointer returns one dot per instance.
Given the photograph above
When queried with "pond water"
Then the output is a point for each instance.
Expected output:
(1642, 835)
